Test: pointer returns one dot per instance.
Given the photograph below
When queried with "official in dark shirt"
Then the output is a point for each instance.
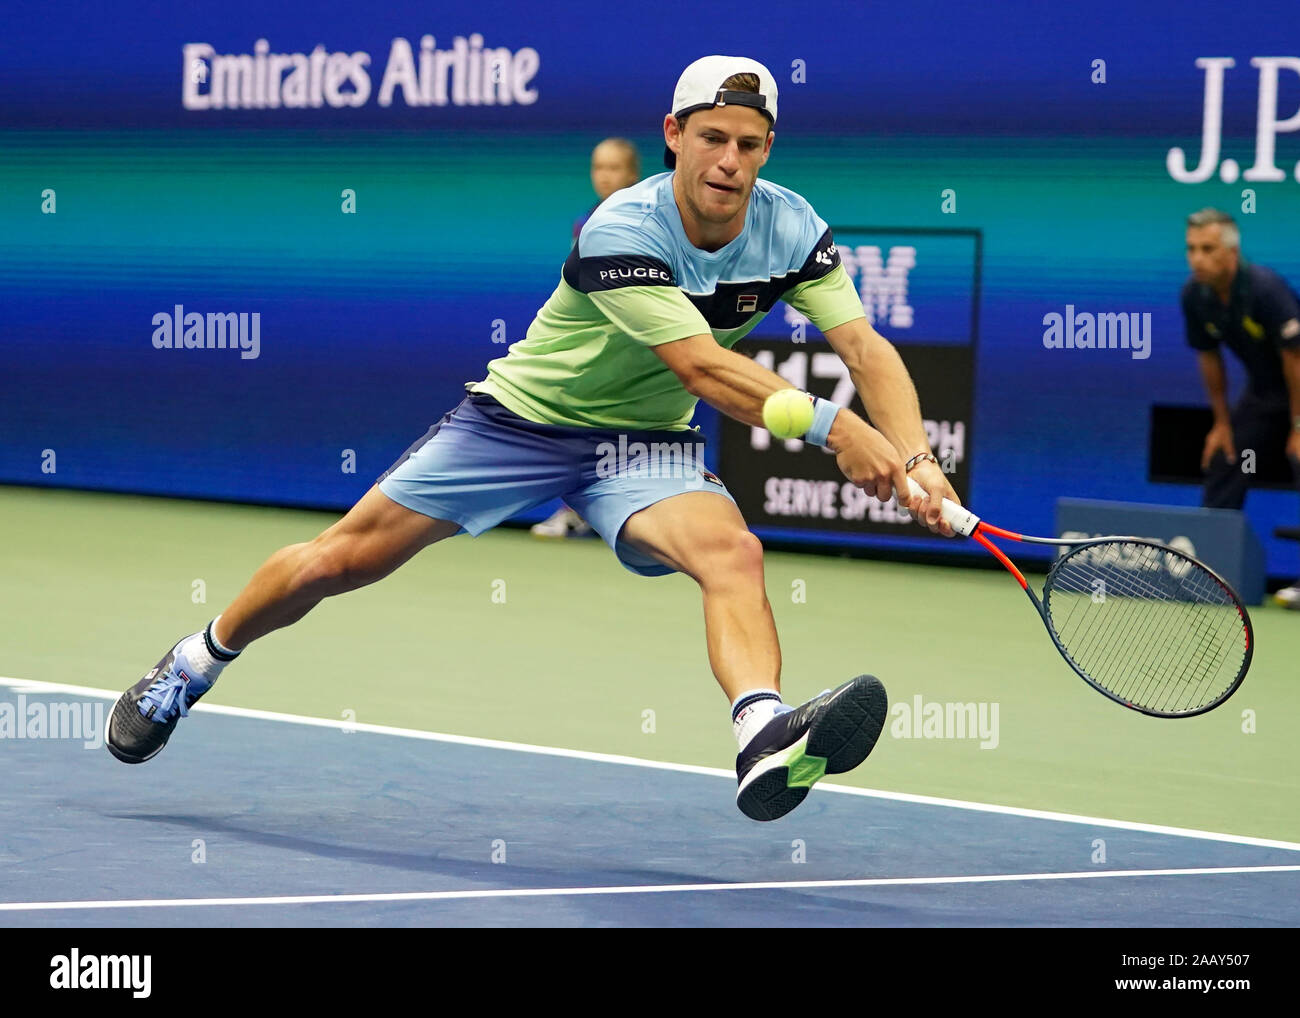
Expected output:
(1250, 310)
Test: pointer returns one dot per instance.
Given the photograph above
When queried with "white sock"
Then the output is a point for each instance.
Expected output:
(199, 656)
(752, 710)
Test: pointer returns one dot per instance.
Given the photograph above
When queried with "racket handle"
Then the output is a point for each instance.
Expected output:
(962, 521)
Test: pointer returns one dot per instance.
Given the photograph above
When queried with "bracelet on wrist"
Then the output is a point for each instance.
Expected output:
(920, 457)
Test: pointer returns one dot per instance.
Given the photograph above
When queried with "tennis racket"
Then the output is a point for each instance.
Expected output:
(1142, 623)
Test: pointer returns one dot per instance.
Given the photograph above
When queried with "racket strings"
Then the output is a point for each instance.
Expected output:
(1149, 625)
(1159, 673)
(1154, 669)
(1205, 654)
(1174, 649)
(1206, 643)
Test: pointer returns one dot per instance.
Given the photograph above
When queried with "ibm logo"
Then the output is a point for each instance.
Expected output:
(882, 282)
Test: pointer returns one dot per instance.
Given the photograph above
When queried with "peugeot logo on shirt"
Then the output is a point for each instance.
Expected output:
(640, 272)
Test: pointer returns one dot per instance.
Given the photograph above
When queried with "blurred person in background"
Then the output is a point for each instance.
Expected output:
(615, 164)
(1252, 311)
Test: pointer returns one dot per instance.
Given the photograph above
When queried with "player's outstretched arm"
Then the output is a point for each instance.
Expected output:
(890, 399)
(738, 387)
(724, 379)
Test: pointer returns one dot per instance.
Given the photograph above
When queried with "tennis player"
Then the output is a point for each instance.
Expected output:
(593, 406)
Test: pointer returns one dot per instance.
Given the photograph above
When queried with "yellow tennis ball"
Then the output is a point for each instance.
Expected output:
(788, 413)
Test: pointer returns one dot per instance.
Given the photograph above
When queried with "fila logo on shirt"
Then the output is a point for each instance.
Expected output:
(747, 302)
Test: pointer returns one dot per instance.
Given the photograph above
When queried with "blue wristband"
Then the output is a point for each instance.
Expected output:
(824, 412)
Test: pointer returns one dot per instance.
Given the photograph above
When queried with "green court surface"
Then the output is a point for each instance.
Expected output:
(554, 644)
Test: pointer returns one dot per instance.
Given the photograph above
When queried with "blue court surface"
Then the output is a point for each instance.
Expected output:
(255, 819)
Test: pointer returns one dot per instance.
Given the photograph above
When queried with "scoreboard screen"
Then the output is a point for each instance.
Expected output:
(920, 289)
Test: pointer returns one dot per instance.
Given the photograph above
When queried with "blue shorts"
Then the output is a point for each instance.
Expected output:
(482, 464)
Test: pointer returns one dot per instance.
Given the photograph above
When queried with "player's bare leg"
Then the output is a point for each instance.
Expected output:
(373, 539)
(783, 751)
(704, 536)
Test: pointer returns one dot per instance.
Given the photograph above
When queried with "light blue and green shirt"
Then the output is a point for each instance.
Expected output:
(633, 281)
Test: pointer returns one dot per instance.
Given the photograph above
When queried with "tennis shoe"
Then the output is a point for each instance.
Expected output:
(1288, 597)
(146, 714)
(563, 523)
(830, 734)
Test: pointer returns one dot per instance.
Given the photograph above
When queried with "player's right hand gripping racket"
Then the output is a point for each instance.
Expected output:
(1144, 624)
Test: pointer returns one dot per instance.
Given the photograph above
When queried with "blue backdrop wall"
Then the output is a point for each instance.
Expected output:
(147, 164)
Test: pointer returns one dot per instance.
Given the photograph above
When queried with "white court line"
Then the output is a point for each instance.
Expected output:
(34, 686)
(555, 892)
